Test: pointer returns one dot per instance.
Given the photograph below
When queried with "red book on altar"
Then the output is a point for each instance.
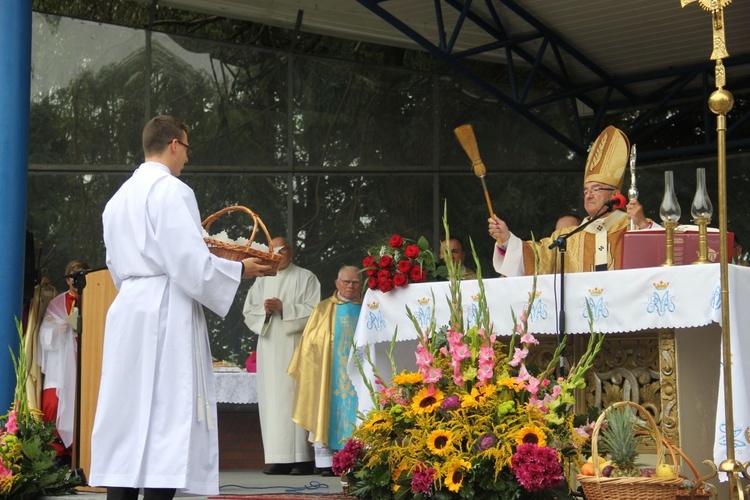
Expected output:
(649, 248)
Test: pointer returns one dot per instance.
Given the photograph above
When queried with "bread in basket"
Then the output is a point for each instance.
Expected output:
(234, 251)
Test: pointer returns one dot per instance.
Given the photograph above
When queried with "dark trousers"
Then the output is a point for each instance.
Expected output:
(148, 493)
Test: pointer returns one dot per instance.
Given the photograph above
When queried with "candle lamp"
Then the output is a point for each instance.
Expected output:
(670, 213)
(701, 210)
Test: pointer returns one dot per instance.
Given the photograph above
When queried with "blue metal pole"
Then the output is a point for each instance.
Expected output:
(15, 72)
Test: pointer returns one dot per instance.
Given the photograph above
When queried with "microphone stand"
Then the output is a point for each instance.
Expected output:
(561, 243)
(79, 283)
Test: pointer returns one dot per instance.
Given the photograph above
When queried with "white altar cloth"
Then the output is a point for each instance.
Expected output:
(235, 385)
(621, 301)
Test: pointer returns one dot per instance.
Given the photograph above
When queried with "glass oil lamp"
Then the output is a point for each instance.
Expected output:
(670, 214)
(701, 210)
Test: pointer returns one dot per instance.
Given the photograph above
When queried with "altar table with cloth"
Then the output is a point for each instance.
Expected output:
(677, 297)
(235, 385)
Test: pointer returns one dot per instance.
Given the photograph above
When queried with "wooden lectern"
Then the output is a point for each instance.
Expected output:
(97, 297)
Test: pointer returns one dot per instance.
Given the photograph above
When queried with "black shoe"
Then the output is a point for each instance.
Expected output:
(327, 472)
(303, 469)
(278, 469)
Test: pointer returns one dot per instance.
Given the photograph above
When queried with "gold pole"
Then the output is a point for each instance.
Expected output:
(720, 103)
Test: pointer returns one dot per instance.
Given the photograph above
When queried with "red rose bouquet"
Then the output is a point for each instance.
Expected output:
(400, 262)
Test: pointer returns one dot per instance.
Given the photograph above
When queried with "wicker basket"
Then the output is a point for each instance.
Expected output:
(701, 490)
(597, 487)
(233, 251)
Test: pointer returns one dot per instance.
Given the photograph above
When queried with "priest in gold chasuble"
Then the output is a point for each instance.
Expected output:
(599, 246)
(325, 402)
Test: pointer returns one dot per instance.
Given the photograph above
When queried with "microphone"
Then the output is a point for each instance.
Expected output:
(76, 274)
(617, 202)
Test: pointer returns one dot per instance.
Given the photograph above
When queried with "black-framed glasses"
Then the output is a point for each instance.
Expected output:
(188, 148)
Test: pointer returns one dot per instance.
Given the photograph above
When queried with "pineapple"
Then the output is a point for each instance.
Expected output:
(620, 443)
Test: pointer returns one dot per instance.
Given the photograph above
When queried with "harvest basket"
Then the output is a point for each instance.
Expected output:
(234, 251)
(597, 487)
(701, 490)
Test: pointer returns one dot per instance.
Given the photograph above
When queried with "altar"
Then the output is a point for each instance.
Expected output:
(685, 299)
(235, 385)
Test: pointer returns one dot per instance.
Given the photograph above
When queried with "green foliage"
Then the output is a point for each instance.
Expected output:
(28, 466)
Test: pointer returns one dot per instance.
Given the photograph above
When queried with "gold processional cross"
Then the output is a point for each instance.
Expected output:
(720, 103)
(716, 8)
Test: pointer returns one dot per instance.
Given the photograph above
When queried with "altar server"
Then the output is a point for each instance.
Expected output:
(155, 424)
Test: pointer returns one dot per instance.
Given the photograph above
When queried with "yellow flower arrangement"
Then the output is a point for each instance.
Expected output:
(473, 421)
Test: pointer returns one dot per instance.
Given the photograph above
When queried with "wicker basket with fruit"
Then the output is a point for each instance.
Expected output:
(621, 478)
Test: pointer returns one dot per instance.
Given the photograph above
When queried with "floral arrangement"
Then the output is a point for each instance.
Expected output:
(399, 263)
(473, 421)
(28, 467)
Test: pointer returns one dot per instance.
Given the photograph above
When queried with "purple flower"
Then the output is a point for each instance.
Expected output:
(536, 468)
(451, 403)
(486, 442)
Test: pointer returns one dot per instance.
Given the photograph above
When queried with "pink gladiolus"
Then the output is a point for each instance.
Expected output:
(431, 375)
(424, 358)
(484, 373)
(11, 426)
(460, 351)
(581, 431)
(486, 354)
(523, 375)
(454, 337)
(533, 385)
(529, 339)
(522, 317)
(518, 356)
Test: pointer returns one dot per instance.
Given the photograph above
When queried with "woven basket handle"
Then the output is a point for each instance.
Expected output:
(699, 481)
(649, 419)
(257, 221)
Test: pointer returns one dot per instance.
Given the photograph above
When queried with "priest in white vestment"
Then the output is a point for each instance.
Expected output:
(155, 424)
(277, 309)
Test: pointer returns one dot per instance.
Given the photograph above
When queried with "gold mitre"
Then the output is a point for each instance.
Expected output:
(608, 158)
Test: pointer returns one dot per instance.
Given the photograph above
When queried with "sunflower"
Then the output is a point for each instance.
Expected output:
(456, 472)
(406, 378)
(478, 396)
(378, 420)
(531, 434)
(440, 441)
(427, 400)
(471, 399)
